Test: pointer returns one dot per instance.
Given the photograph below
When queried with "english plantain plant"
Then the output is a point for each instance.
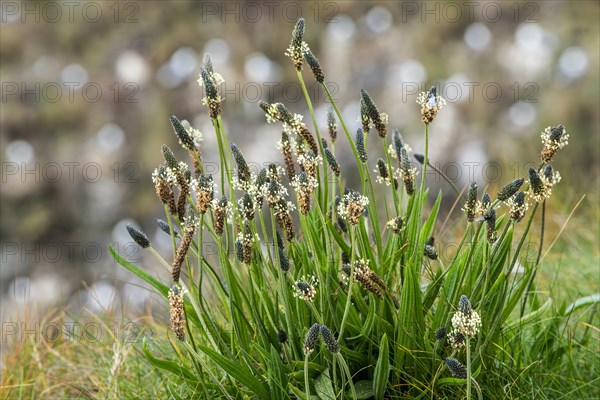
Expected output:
(320, 290)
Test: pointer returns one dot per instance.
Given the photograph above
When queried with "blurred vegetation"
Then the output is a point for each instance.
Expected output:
(364, 45)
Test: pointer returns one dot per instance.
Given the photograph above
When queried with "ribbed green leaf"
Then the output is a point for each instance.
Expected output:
(238, 372)
(168, 365)
(323, 386)
(364, 390)
(146, 277)
(531, 317)
(582, 302)
(382, 369)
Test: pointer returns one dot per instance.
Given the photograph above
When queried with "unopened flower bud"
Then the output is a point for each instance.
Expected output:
(244, 174)
(314, 65)
(330, 342)
(138, 236)
(360, 145)
(182, 134)
(456, 368)
(169, 157)
(312, 338)
(507, 191)
(374, 114)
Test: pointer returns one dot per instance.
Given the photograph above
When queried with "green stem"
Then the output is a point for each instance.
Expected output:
(468, 345)
(199, 255)
(484, 272)
(537, 262)
(306, 382)
(348, 374)
(426, 157)
(352, 233)
(391, 172)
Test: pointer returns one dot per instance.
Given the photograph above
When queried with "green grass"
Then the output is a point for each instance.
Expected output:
(83, 365)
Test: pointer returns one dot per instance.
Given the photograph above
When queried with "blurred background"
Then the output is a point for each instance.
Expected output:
(87, 89)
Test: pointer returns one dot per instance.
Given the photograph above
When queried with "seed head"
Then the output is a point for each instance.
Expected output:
(286, 116)
(282, 336)
(464, 305)
(537, 187)
(169, 158)
(486, 201)
(330, 342)
(182, 134)
(220, 208)
(304, 189)
(429, 249)
(384, 175)
(470, 207)
(247, 207)
(247, 239)
(490, 219)
(466, 321)
(239, 250)
(164, 179)
(309, 162)
(182, 249)
(284, 263)
(176, 312)
(407, 170)
(306, 288)
(213, 100)
(374, 115)
(398, 143)
(456, 339)
(244, 174)
(286, 149)
(297, 47)
(518, 206)
(550, 177)
(554, 138)
(313, 63)
(284, 219)
(368, 279)
(312, 338)
(305, 134)
(431, 104)
(205, 192)
(183, 181)
(352, 206)
(456, 368)
(360, 145)
(507, 191)
(440, 333)
(382, 167)
(260, 187)
(333, 164)
(207, 63)
(331, 124)
(365, 121)
(395, 225)
(164, 226)
(420, 158)
(138, 236)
